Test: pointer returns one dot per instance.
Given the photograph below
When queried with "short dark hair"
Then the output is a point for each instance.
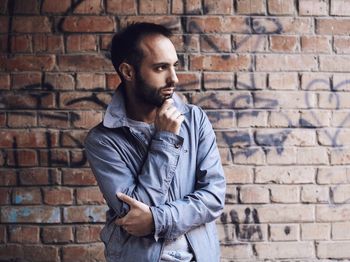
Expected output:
(125, 44)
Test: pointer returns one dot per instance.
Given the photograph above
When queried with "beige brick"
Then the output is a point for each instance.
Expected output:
(285, 175)
(315, 231)
(284, 194)
(340, 231)
(340, 7)
(284, 118)
(313, 7)
(329, 26)
(333, 175)
(226, 233)
(342, 45)
(241, 214)
(314, 194)
(225, 155)
(316, 44)
(251, 7)
(251, 81)
(231, 194)
(312, 156)
(334, 137)
(238, 174)
(284, 232)
(254, 194)
(285, 100)
(249, 118)
(289, 62)
(341, 194)
(334, 100)
(283, 81)
(219, 100)
(315, 118)
(237, 251)
(286, 137)
(252, 232)
(315, 81)
(246, 156)
(339, 63)
(281, 155)
(334, 213)
(218, 80)
(285, 44)
(289, 213)
(334, 250)
(223, 119)
(234, 138)
(284, 250)
(341, 82)
(340, 156)
(281, 7)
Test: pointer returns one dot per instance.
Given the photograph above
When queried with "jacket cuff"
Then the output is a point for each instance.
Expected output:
(161, 221)
(172, 140)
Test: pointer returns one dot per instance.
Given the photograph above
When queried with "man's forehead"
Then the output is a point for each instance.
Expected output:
(158, 47)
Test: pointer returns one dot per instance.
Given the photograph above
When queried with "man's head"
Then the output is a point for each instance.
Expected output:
(146, 60)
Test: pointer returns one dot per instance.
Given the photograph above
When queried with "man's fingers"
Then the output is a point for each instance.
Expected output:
(125, 198)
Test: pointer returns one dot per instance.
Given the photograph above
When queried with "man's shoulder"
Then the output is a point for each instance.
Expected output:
(100, 133)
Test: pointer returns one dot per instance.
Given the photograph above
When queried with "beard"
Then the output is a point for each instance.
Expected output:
(150, 94)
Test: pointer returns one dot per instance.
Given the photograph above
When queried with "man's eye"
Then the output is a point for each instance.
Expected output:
(161, 68)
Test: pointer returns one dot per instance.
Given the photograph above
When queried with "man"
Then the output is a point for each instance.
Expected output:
(155, 158)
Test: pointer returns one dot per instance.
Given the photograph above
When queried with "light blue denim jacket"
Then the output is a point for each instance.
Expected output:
(179, 176)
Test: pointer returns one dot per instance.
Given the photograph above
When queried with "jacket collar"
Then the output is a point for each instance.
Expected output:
(116, 113)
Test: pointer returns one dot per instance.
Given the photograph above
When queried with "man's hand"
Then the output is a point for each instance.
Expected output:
(139, 220)
(168, 118)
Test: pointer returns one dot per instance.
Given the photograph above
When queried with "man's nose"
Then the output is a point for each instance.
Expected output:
(173, 77)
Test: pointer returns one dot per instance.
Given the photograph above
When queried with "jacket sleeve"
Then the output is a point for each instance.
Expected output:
(203, 205)
(150, 186)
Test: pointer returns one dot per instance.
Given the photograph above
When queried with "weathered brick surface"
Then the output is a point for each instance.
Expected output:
(272, 76)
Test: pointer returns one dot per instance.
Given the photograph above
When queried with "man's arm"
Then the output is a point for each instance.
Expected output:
(151, 185)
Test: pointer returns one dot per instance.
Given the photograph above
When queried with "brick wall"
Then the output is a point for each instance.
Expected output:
(272, 75)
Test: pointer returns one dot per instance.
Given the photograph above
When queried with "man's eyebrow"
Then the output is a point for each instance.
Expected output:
(165, 63)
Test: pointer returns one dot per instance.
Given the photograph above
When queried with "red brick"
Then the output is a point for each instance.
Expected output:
(89, 24)
(80, 253)
(77, 214)
(53, 119)
(48, 43)
(73, 138)
(216, 24)
(55, 7)
(54, 157)
(313, 7)
(2, 235)
(172, 22)
(89, 7)
(315, 44)
(30, 63)
(121, 7)
(26, 7)
(253, 44)
(88, 234)
(21, 119)
(78, 158)
(41, 253)
(90, 195)
(22, 158)
(250, 81)
(3, 6)
(32, 214)
(256, 7)
(22, 80)
(87, 119)
(21, 44)
(230, 62)
(215, 43)
(218, 7)
(8, 177)
(60, 81)
(289, 25)
(153, 7)
(79, 177)
(84, 100)
(217, 81)
(281, 7)
(24, 234)
(37, 100)
(105, 41)
(4, 81)
(58, 196)
(81, 43)
(26, 196)
(284, 43)
(4, 24)
(112, 81)
(188, 81)
(275, 62)
(86, 81)
(39, 176)
(4, 43)
(94, 63)
(57, 235)
(19, 139)
(9, 252)
(327, 26)
(5, 193)
(186, 43)
(188, 7)
(31, 24)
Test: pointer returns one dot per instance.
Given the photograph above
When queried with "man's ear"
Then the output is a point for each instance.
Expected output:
(127, 71)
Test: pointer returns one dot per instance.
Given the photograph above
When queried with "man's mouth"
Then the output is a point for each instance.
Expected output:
(167, 91)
